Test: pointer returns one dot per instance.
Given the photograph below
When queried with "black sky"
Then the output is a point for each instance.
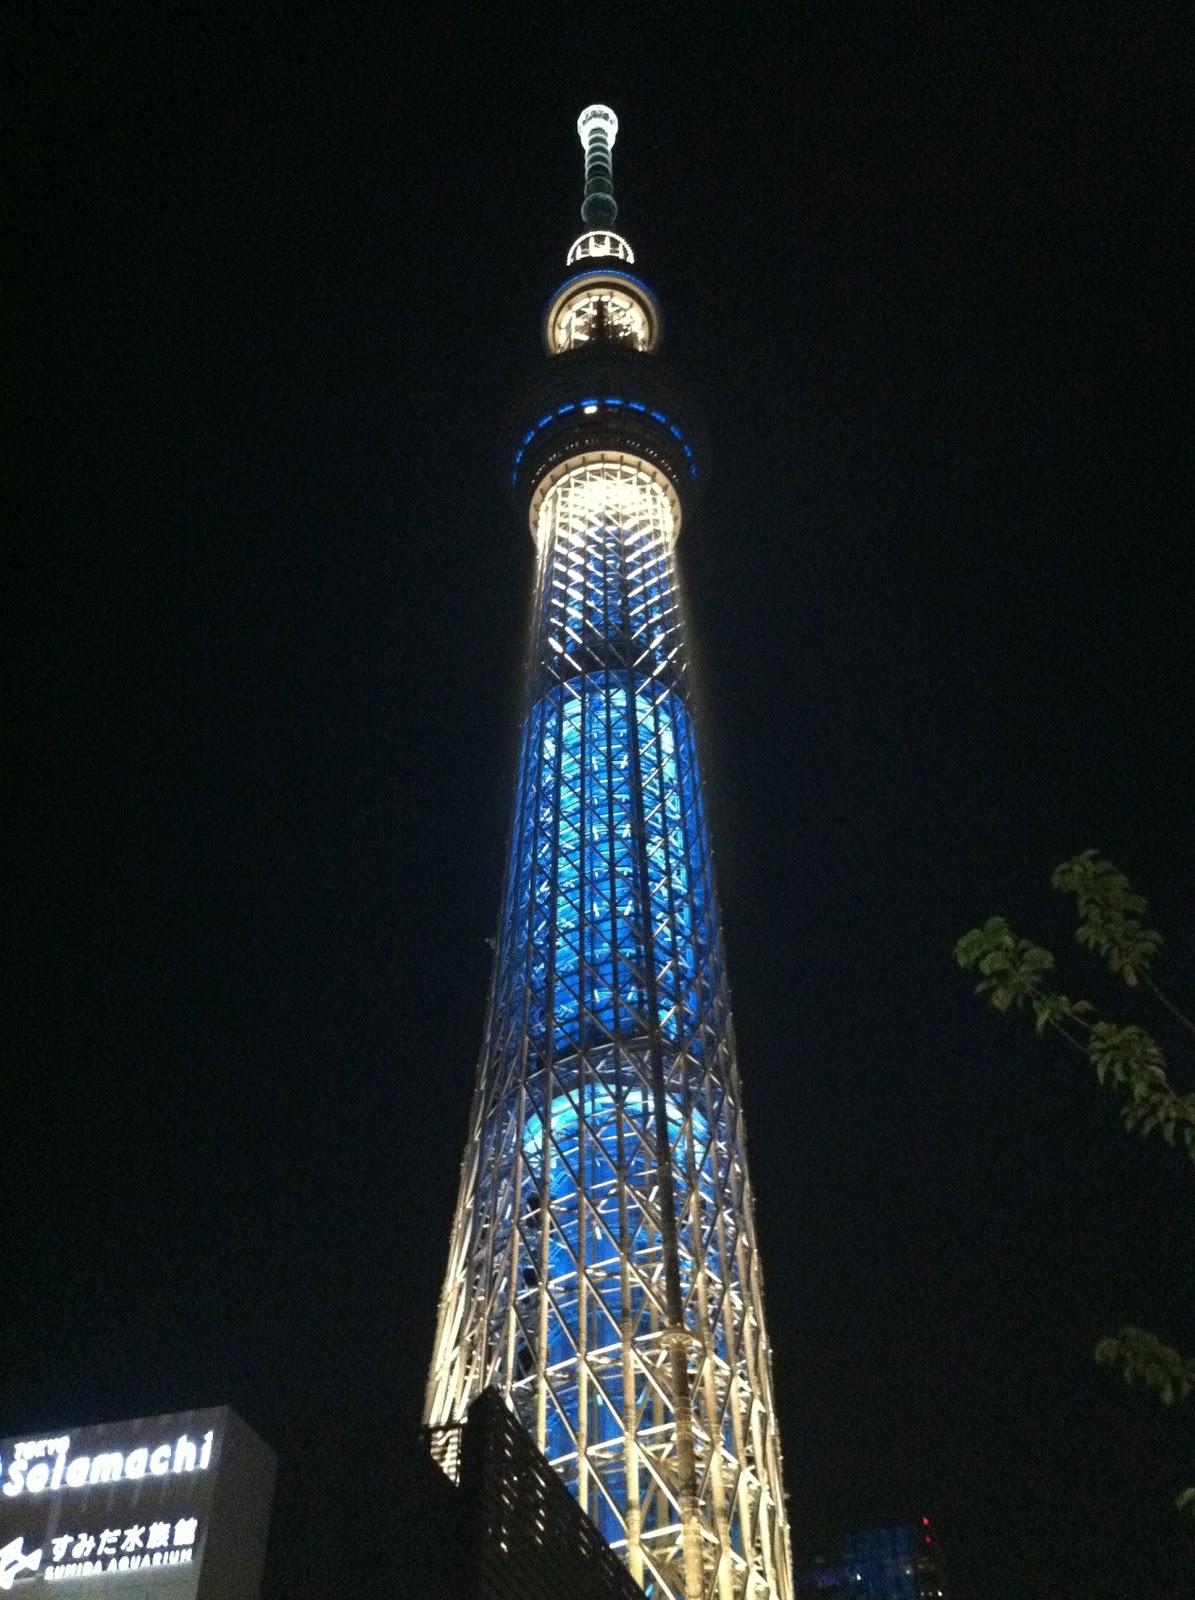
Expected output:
(274, 279)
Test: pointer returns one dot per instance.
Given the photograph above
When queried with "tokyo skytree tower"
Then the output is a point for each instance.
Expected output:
(603, 1272)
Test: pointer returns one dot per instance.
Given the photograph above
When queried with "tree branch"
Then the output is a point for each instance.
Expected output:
(1075, 1044)
(1167, 1002)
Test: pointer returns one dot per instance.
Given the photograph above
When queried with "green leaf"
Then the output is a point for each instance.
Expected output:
(1010, 969)
(1109, 915)
(1055, 1009)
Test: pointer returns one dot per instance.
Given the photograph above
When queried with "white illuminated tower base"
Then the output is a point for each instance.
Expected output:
(603, 1273)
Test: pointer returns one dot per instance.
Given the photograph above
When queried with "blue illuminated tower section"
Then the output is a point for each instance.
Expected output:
(603, 1272)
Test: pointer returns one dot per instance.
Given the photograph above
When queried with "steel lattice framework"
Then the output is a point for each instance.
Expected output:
(603, 1272)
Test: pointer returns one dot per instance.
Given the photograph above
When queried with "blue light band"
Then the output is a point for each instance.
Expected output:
(598, 405)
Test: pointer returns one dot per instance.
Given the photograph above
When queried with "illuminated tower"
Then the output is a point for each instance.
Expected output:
(603, 1272)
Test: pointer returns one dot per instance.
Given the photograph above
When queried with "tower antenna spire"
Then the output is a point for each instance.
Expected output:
(598, 128)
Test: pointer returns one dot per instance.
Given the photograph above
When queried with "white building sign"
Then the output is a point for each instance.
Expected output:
(139, 1505)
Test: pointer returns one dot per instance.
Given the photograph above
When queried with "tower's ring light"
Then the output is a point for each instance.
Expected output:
(600, 242)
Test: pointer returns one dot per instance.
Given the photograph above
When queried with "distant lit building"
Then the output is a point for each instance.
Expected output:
(901, 1563)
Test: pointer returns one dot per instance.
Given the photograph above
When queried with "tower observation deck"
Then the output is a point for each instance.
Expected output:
(603, 1272)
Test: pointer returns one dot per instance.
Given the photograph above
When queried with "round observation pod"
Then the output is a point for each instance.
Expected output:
(606, 399)
(602, 305)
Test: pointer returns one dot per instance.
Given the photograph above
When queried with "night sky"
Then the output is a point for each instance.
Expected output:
(273, 279)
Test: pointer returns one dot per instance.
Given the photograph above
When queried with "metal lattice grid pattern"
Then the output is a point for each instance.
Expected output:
(603, 1272)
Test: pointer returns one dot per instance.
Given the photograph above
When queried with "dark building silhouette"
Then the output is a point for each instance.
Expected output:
(521, 1534)
(508, 1530)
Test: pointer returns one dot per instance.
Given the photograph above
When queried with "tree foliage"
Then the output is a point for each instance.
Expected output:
(1109, 913)
(1144, 1359)
(1017, 975)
